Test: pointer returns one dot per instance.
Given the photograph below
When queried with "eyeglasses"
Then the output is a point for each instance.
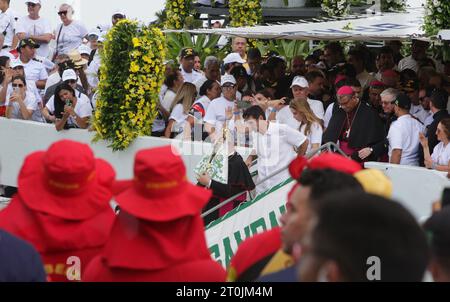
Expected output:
(63, 13)
(30, 4)
(17, 85)
(118, 16)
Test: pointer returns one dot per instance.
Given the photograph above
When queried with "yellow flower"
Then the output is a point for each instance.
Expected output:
(134, 67)
(136, 42)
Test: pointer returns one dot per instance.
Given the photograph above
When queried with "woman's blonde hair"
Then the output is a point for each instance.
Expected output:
(185, 96)
(302, 106)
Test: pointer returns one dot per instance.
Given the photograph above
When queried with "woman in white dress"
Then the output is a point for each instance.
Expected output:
(310, 125)
(440, 158)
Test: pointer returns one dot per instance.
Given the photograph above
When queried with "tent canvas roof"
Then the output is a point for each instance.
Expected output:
(389, 26)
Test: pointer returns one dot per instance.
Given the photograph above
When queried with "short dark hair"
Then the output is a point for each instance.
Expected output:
(438, 231)
(357, 53)
(59, 103)
(327, 181)
(313, 75)
(408, 75)
(352, 227)
(171, 78)
(206, 86)
(335, 47)
(254, 112)
(21, 78)
(312, 58)
(439, 98)
(353, 82)
(385, 50)
(254, 53)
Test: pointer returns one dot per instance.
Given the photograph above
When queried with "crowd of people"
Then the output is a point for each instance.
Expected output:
(63, 226)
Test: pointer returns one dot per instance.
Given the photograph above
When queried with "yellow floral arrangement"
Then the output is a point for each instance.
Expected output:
(245, 12)
(177, 11)
(131, 77)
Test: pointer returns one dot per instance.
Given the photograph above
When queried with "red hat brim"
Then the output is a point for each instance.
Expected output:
(81, 206)
(189, 202)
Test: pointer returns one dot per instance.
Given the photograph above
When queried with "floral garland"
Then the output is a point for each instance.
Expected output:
(130, 79)
(177, 11)
(336, 8)
(393, 5)
(437, 16)
(245, 12)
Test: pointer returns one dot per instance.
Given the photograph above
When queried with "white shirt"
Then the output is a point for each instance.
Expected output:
(286, 117)
(441, 154)
(215, 115)
(419, 112)
(328, 115)
(199, 82)
(180, 118)
(34, 71)
(404, 135)
(168, 99)
(37, 27)
(71, 36)
(8, 21)
(190, 77)
(83, 108)
(276, 149)
(429, 120)
(30, 102)
(317, 108)
(53, 79)
(202, 102)
(314, 136)
(92, 74)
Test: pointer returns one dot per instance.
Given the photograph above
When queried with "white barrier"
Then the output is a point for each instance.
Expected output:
(416, 188)
(20, 138)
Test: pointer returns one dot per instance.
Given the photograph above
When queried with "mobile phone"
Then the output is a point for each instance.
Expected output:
(68, 103)
(287, 101)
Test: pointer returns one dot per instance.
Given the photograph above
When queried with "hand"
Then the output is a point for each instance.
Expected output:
(69, 110)
(365, 153)
(249, 162)
(423, 140)
(8, 75)
(204, 179)
(277, 104)
(428, 163)
(248, 99)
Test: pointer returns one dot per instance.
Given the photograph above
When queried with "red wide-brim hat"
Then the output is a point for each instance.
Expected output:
(187, 200)
(93, 198)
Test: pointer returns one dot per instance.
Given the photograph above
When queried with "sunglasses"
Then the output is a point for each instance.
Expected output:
(63, 13)
(119, 16)
(17, 85)
(70, 81)
(29, 4)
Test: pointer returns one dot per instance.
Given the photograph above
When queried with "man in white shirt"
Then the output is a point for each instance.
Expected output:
(8, 20)
(276, 145)
(34, 70)
(418, 53)
(356, 58)
(300, 90)
(215, 117)
(212, 72)
(187, 57)
(403, 135)
(36, 28)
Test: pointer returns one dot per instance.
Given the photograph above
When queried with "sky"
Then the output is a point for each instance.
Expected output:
(95, 12)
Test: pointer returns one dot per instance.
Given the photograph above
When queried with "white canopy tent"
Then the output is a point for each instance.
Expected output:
(389, 26)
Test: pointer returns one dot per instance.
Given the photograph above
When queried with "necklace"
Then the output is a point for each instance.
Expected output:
(350, 124)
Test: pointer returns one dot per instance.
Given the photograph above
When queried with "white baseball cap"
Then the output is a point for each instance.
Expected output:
(233, 57)
(33, 1)
(84, 50)
(301, 82)
(69, 74)
(227, 79)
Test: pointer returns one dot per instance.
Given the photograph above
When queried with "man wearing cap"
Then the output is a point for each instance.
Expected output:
(187, 57)
(355, 126)
(232, 60)
(35, 27)
(411, 89)
(34, 71)
(404, 134)
(215, 117)
(158, 235)
(8, 21)
(62, 207)
(117, 16)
